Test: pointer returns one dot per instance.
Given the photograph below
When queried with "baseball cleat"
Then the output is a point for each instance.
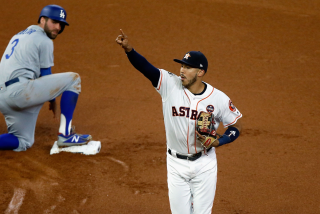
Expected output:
(73, 139)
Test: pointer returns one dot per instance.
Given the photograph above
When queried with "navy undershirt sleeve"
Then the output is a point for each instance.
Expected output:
(142, 65)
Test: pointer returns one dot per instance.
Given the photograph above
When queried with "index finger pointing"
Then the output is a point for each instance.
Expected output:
(122, 33)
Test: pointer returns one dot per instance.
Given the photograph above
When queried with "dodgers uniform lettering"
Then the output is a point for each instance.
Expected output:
(27, 31)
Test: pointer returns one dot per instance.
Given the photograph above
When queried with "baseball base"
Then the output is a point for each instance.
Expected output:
(92, 148)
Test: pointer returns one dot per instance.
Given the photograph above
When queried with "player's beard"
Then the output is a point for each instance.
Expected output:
(190, 82)
(49, 32)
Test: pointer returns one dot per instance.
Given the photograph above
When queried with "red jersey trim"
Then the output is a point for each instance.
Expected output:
(160, 80)
(187, 96)
(188, 124)
(233, 122)
(204, 99)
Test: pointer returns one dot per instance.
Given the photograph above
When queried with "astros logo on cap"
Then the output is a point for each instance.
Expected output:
(187, 55)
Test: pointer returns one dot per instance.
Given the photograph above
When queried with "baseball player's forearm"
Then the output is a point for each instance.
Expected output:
(142, 65)
(231, 134)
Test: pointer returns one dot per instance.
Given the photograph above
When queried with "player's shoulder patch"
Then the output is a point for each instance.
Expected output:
(231, 106)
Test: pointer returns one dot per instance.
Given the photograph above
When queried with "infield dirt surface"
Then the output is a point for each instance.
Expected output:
(264, 54)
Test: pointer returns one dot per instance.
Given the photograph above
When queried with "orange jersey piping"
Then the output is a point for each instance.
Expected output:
(160, 81)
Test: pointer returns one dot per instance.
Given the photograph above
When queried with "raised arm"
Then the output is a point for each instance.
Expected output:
(138, 61)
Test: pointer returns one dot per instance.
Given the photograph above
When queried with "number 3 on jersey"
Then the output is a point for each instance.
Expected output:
(15, 44)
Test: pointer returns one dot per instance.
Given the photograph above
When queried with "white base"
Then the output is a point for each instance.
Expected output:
(92, 148)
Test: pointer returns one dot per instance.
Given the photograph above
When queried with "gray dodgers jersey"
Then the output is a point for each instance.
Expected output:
(26, 53)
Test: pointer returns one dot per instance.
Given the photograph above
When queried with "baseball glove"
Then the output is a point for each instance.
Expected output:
(205, 127)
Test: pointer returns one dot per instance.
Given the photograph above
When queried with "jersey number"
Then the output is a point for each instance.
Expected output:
(15, 44)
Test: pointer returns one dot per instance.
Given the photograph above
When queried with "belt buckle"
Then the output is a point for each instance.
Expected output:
(191, 158)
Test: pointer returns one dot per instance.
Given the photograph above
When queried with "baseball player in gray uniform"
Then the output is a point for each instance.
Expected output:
(192, 168)
(26, 83)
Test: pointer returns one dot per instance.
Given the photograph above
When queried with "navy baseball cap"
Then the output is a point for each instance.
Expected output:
(194, 59)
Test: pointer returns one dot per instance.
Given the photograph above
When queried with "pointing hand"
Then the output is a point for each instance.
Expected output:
(122, 40)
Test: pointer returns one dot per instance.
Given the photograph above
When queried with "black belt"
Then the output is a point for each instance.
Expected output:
(10, 82)
(190, 158)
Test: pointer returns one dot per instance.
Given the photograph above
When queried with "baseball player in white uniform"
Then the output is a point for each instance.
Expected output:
(192, 169)
(26, 83)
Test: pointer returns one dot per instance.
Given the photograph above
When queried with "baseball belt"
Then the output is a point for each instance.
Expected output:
(190, 158)
(10, 82)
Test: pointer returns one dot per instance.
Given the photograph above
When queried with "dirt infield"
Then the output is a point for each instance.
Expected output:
(264, 54)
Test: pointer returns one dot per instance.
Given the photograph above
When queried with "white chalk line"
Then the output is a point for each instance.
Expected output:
(51, 209)
(125, 166)
(81, 204)
(83, 201)
(16, 201)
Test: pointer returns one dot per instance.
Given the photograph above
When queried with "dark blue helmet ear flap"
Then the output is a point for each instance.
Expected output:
(55, 12)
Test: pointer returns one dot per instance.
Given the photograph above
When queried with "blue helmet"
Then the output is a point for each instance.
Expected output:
(55, 12)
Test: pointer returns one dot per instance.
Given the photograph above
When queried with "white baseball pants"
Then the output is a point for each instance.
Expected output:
(192, 184)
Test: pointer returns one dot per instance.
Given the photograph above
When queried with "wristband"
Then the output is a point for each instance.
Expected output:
(225, 139)
(229, 136)
(233, 133)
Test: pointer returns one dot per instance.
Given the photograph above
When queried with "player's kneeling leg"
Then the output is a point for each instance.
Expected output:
(8, 142)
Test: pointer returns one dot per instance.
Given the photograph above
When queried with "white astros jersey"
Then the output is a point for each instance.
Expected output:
(27, 52)
(181, 109)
